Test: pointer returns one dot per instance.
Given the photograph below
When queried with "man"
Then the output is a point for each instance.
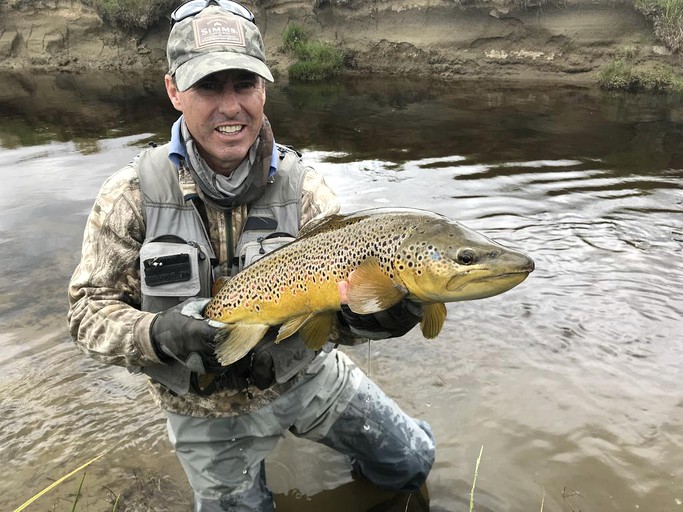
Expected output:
(199, 209)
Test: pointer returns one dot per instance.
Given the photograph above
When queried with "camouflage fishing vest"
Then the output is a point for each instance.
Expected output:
(173, 224)
(177, 261)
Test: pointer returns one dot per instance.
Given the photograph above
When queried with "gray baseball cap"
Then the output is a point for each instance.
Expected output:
(214, 40)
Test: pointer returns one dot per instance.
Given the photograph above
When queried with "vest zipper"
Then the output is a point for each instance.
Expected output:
(200, 252)
(228, 238)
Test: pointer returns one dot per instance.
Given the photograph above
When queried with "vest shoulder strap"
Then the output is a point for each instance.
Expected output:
(158, 178)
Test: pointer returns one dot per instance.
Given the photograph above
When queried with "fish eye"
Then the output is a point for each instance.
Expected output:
(466, 257)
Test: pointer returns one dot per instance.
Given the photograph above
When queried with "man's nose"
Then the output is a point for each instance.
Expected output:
(230, 103)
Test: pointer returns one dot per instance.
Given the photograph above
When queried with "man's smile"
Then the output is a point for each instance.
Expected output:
(230, 129)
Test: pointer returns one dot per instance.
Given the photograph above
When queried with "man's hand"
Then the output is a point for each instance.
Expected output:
(390, 323)
(183, 334)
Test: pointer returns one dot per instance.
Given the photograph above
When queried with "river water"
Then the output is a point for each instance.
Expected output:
(570, 385)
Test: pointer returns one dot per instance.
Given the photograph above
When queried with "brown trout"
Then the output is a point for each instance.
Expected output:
(384, 254)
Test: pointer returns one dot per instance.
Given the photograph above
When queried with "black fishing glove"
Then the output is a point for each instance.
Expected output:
(390, 323)
(183, 334)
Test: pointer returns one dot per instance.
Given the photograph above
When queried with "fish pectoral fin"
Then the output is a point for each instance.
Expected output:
(234, 341)
(433, 319)
(371, 290)
(291, 326)
(316, 330)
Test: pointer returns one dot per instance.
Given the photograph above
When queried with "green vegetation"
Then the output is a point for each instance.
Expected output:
(316, 60)
(132, 14)
(667, 16)
(620, 75)
(294, 36)
(624, 74)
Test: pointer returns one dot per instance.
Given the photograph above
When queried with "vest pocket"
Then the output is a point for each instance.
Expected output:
(173, 267)
(254, 250)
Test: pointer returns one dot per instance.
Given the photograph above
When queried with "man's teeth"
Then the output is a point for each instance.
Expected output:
(229, 129)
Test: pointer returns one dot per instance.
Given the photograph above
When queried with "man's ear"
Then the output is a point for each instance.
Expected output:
(172, 91)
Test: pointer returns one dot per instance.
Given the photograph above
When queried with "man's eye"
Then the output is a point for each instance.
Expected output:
(207, 86)
(245, 85)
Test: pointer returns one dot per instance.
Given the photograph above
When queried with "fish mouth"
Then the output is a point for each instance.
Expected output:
(486, 285)
(485, 282)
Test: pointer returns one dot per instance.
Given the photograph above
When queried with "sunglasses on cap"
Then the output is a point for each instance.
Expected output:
(196, 6)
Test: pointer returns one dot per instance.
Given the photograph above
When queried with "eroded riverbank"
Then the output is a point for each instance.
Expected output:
(570, 42)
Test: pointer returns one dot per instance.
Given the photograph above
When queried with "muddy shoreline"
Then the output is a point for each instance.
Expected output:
(422, 38)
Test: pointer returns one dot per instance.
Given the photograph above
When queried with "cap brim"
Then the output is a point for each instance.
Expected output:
(195, 69)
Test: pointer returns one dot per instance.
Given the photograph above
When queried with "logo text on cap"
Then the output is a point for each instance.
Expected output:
(217, 30)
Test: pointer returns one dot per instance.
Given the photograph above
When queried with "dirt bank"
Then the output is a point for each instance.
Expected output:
(423, 37)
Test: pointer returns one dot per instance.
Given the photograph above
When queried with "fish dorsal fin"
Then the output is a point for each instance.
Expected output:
(371, 290)
(316, 330)
(316, 223)
(433, 319)
(291, 326)
(234, 341)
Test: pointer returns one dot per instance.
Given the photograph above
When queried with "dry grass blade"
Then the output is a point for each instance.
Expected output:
(55, 484)
(474, 481)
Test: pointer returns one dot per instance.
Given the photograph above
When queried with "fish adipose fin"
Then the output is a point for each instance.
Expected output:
(371, 290)
(433, 319)
(235, 341)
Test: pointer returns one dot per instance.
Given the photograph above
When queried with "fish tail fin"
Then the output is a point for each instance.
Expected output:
(234, 341)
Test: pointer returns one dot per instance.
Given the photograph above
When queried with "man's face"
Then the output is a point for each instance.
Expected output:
(223, 112)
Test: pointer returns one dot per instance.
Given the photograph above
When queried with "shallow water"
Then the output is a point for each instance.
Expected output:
(571, 382)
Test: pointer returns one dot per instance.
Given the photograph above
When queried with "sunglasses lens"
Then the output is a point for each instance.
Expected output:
(196, 6)
(237, 9)
(188, 9)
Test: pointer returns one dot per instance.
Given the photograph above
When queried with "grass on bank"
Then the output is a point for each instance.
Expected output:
(133, 14)
(667, 17)
(620, 75)
(315, 60)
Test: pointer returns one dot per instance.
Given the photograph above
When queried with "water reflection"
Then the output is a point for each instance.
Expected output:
(571, 381)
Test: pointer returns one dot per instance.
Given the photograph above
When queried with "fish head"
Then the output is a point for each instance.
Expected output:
(445, 261)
